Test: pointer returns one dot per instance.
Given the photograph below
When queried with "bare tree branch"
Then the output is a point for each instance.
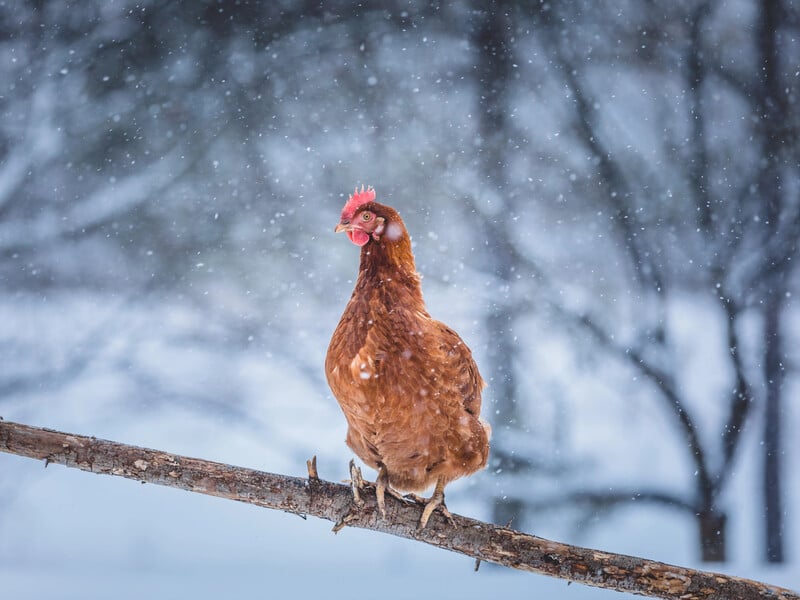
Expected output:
(609, 499)
(104, 204)
(665, 385)
(612, 178)
(741, 398)
(334, 502)
(698, 166)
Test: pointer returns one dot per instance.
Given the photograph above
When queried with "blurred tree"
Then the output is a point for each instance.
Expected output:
(741, 211)
(492, 34)
(773, 94)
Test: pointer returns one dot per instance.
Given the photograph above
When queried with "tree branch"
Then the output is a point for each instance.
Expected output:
(665, 385)
(613, 179)
(334, 502)
(741, 398)
(610, 499)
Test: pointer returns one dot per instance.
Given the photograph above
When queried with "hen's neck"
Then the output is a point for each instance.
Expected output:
(389, 263)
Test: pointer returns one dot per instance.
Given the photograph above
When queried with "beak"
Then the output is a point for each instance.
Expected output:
(340, 228)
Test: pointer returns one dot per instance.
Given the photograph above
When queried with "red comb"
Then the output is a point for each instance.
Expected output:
(356, 200)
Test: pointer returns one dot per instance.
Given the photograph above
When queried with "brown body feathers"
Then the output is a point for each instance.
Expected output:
(407, 384)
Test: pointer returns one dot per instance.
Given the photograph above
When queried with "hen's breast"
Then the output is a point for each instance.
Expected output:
(410, 391)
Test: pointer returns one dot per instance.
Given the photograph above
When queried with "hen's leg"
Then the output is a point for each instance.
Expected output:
(381, 484)
(382, 488)
(436, 501)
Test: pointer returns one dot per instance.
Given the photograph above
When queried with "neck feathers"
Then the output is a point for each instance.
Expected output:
(389, 261)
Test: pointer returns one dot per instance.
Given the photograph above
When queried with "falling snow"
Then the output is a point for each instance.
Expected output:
(604, 205)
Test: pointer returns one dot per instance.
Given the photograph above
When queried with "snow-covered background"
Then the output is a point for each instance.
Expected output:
(606, 206)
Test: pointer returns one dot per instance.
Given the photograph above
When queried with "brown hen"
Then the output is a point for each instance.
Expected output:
(407, 384)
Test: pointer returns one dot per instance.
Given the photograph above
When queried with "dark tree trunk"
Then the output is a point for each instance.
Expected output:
(772, 111)
(491, 37)
(773, 377)
(712, 526)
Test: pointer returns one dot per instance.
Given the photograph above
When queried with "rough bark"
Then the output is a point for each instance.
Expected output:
(335, 502)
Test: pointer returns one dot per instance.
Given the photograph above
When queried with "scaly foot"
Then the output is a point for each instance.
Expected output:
(436, 501)
(381, 485)
(356, 484)
(382, 488)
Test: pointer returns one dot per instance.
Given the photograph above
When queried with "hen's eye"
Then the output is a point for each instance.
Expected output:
(366, 216)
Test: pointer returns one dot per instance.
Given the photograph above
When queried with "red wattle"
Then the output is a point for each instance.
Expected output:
(358, 237)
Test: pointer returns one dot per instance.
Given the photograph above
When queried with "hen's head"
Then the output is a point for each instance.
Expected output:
(364, 219)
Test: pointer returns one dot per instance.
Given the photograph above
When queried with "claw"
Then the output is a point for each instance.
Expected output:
(342, 523)
(436, 501)
(356, 483)
(311, 464)
(413, 498)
